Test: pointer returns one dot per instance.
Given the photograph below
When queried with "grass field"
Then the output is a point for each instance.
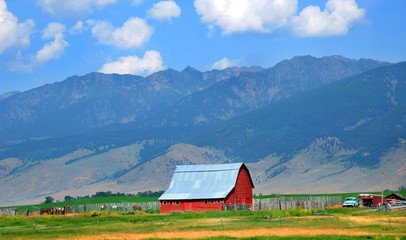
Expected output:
(126, 199)
(344, 195)
(116, 199)
(290, 224)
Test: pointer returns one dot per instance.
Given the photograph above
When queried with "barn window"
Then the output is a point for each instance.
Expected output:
(212, 201)
(177, 202)
(219, 201)
(170, 202)
(205, 201)
(164, 202)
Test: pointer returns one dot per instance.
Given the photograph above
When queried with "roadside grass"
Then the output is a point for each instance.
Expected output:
(82, 225)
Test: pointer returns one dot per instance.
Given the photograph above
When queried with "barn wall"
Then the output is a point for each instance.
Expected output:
(242, 193)
(192, 205)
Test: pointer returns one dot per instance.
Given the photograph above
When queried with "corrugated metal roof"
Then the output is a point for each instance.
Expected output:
(202, 181)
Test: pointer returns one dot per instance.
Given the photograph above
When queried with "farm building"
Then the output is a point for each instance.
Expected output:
(208, 187)
(396, 196)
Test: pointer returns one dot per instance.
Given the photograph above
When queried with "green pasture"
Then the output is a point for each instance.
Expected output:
(99, 223)
(128, 199)
(343, 195)
(115, 199)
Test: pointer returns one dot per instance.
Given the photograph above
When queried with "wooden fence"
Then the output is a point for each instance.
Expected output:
(284, 203)
(11, 212)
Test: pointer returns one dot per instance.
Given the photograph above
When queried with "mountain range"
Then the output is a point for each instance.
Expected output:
(307, 124)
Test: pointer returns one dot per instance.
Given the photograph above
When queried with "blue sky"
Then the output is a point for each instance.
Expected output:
(45, 41)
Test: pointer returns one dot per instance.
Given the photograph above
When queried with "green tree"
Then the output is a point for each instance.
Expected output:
(49, 199)
(69, 198)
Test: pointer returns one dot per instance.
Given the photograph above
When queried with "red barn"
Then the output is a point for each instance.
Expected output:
(208, 187)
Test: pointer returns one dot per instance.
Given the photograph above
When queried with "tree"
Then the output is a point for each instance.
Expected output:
(402, 188)
(49, 199)
(69, 198)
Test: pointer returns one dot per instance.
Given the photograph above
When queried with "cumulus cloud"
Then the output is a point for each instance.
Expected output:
(72, 8)
(265, 16)
(55, 48)
(13, 33)
(133, 33)
(77, 28)
(246, 15)
(53, 29)
(150, 63)
(226, 63)
(164, 10)
(334, 20)
(52, 50)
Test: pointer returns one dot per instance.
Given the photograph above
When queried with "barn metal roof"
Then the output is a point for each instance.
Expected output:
(202, 181)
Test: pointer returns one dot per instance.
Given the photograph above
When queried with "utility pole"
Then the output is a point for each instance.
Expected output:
(382, 191)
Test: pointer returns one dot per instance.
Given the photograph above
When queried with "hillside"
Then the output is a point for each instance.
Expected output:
(251, 90)
(81, 103)
(356, 109)
(321, 140)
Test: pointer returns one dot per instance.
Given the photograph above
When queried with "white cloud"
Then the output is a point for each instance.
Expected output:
(133, 33)
(13, 33)
(226, 63)
(52, 50)
(164, 10)
(77, 28)
(53, 29)
(334, 20)
(72, 8)
(150, 63)
(246, 15)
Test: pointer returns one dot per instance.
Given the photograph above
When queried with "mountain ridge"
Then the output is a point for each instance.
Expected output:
(319, 140)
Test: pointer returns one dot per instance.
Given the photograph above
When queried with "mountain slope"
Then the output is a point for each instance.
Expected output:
(366, 111)
(248, 91)
(94, 100)
(338, 137)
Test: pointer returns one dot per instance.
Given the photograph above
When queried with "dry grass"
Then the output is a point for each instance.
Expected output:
(245, 233)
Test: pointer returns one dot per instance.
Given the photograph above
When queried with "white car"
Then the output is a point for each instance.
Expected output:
(351, 202)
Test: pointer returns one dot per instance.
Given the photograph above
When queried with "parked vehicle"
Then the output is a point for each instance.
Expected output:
(372, 200)
(351, 202)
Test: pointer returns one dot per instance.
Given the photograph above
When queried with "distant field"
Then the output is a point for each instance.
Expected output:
(344, 195)
(116, 199)
(125, 199)
(290, 224)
